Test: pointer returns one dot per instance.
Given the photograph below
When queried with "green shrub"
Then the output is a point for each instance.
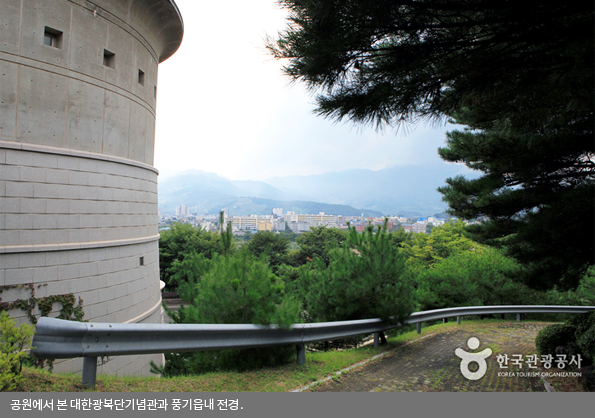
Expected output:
(582, 322)
(553, 336)
(177, 364)
(586, 346)
(13, 343)
(585, 336)
(234, 289)
(577, 335)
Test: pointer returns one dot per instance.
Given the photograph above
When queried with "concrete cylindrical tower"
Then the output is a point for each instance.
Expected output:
(78, 190)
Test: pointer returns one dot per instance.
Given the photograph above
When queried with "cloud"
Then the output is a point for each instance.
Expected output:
(223, 106)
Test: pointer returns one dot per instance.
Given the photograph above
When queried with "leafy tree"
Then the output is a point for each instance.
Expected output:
(317, 242)
(247, 236)
(521, 79)
(288, 233)
(181, 240)
(444, 241)
(271, 245)
(429, 228)
(583, 295)
(400, 236)
(472, 278)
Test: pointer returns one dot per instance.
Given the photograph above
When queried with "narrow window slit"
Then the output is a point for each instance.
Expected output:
(109, 59)
(52, 37)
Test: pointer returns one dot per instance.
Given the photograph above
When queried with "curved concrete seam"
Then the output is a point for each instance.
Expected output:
(145, 314)
(67, 246)
(46, 149)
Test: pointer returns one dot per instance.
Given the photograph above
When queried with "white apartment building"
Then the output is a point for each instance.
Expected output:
(182, 210)
(251, 223)
(319, 220)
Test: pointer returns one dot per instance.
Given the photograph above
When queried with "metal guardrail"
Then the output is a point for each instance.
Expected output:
(58, 339)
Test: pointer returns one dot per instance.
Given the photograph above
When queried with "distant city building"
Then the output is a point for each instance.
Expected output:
(318, 220)
(252, 223)
(298, 227)
(291, 217)
(359, 226)
(182, 211)
(279, 224)
(418, 227)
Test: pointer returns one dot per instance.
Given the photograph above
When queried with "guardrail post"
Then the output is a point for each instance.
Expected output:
(89, 371)
(518, 317)
(376, 339)
(444, 320)
(301, 353)
(419, 327)
(458, 320)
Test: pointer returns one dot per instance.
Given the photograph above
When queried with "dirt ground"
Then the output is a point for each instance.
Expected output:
(430, 365)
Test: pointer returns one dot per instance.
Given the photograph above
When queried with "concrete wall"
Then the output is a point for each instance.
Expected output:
(66, 95)
(78, 193)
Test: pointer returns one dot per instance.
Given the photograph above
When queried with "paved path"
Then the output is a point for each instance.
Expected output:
(430, 364)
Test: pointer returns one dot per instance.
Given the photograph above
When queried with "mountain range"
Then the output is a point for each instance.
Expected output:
(399, 190)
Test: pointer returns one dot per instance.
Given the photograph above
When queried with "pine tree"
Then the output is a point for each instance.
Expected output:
(536, 196)
(236, 288)
(271, 245)
(363, 279)
(520, 78)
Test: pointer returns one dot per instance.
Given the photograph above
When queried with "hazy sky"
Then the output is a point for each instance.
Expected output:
(224, 106)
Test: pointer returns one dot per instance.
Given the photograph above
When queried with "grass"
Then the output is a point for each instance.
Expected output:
(319, 365)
